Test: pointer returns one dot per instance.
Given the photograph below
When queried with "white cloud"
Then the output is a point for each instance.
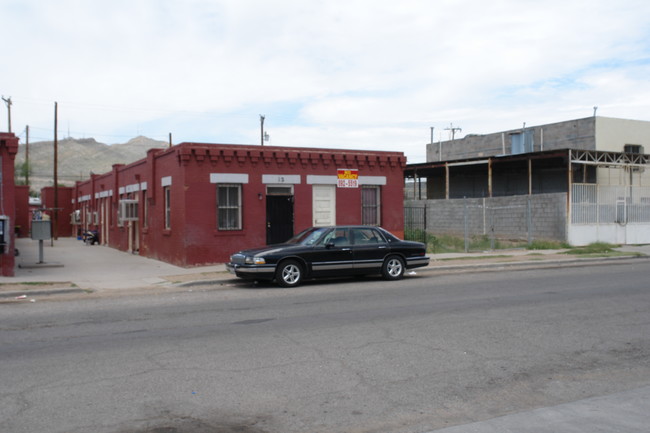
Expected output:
(360, 73)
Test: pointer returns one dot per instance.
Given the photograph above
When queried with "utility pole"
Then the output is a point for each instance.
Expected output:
(55, 217)
(261, 130)
(453, 130)
(27, 155)
(8, 102)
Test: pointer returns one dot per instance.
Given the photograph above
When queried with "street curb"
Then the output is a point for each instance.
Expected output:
(31, 293)
(195, 283)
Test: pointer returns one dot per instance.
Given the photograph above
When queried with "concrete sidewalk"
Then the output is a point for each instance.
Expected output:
(94, 267)
(624, 412)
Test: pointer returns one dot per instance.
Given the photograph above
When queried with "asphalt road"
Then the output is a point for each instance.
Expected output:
(454, 352)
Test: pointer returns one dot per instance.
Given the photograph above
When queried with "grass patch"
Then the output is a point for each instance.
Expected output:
(601, 249)
(592, 249)
(547, 245)
(440, 244)
(453, 244)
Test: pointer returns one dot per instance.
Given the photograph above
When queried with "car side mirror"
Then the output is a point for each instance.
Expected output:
(330, 244)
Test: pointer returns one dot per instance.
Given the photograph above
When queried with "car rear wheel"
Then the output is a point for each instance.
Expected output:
(289, 274)
(393, 268)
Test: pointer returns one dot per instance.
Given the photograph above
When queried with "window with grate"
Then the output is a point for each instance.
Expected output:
(168, 207)
(229, 207)
(370, 205)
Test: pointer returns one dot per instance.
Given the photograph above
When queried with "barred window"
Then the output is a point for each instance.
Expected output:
(168, 207)
(229, 207)
(370, 205)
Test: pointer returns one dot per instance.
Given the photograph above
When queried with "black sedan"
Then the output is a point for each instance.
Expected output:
(330, 251)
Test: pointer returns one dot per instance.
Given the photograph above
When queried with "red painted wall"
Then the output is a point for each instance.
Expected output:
(193, 238)
(8, 150)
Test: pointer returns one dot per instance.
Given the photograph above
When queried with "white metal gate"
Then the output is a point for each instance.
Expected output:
(605, 213)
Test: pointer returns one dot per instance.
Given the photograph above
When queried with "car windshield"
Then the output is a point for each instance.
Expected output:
(309, 236)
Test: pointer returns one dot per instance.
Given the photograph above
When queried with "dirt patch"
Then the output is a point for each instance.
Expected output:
(35, 287)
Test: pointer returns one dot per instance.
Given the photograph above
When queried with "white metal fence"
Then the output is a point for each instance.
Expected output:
(604, 204)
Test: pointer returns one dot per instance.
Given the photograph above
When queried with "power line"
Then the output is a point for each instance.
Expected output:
(218, 113)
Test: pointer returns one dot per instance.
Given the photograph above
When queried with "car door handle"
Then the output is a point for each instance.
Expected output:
(345, 249)
(382, 246)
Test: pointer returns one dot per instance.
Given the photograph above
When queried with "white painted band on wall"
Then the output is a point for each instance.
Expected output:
(292, 179)
(228, 178)
(101, 194)
(321, 180)
(372, 180)
(166, 181)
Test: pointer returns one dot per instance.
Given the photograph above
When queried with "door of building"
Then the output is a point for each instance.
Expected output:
(324, 205)
(279, 218)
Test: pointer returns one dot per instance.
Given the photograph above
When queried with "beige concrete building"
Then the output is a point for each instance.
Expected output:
(591, 133)
(583, 181)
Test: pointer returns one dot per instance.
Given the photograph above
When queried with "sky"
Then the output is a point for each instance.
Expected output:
(356, 74)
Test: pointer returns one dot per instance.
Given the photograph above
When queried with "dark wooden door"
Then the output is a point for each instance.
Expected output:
(279, 218)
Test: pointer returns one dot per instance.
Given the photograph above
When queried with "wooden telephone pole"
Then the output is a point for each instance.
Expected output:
(261, 130)
(8, 102)
(27, 155)
(55, 216)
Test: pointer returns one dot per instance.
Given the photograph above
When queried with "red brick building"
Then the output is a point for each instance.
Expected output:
(195, 204)
(8, 150)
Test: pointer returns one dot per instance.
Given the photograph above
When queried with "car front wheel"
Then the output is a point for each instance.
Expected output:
(289, 274)
(393, 268)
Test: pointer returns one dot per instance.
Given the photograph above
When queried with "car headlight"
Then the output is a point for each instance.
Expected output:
(255, 260)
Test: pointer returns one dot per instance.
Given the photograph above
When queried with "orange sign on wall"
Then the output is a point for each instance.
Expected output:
(348, 178)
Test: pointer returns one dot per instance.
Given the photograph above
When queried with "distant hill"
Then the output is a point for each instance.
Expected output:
(77, 158)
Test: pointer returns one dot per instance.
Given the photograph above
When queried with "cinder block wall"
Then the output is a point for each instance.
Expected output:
(501, 217)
